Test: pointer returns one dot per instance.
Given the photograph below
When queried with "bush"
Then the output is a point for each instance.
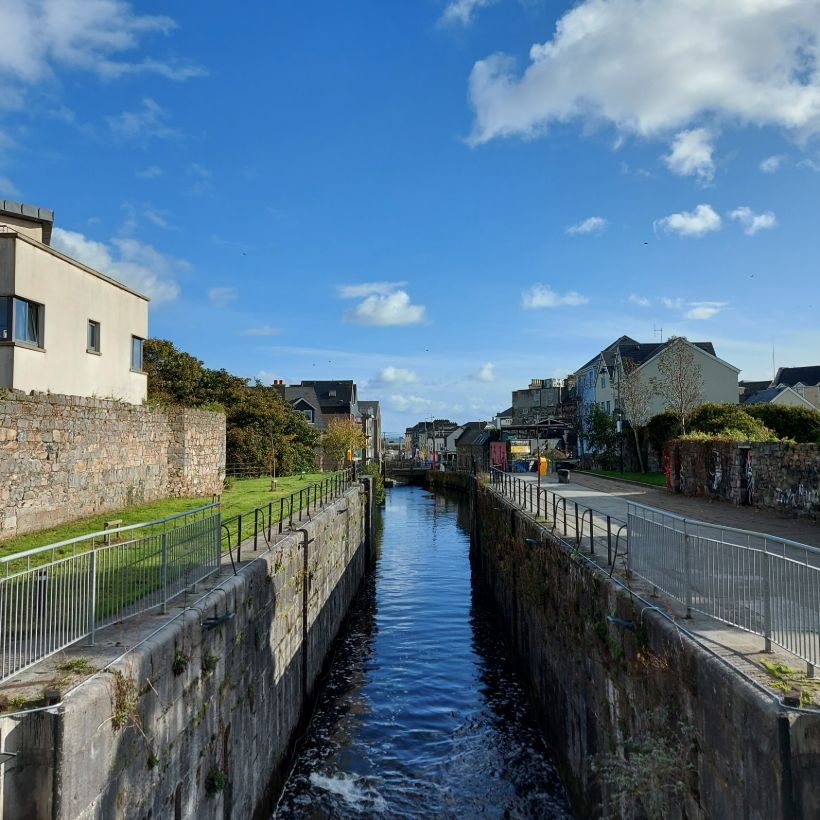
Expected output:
(378, 481)
(728, 421)
(798, 423)
(661, 429)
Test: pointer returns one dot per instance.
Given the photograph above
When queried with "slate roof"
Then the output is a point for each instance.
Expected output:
(608, 349)
(808, 376)
(294, 393)
(343, 401)
(643, 352)
(763, 396)
(371, 407)
(505, 413)
(750, 388)
(473, 436)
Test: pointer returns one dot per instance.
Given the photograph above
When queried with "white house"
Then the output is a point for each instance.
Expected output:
(64, 328)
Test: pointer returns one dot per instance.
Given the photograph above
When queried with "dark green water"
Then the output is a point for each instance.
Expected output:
(423, 713)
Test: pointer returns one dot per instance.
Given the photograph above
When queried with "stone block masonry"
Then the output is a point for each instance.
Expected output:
(64, 457)
(610, 675)
(770, 475)
(198, 720)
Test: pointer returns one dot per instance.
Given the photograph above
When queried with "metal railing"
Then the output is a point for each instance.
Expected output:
(281, 515)
(589, 528)
(55, 595)
(760, 583)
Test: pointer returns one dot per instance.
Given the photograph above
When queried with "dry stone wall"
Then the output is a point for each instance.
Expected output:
(63, 457)
(772, 475)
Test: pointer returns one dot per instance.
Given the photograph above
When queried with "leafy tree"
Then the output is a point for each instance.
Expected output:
(341, 435)
(680, 379)
(634, 399)
(799, 423)
(662, 428)
(600, 434)
(259, 421)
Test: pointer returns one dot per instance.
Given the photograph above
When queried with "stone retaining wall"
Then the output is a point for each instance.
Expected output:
(63, 457)
(609, 675)
(771, 475)
(198, 721)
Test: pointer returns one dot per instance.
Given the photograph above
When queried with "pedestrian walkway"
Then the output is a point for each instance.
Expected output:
(720, 594)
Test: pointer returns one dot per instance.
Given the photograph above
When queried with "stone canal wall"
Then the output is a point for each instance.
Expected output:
(772, 475)
(198, 721)
(62, 457)
(610, 675)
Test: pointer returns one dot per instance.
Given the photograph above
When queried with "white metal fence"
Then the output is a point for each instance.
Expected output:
(52, 596)
(760, 583)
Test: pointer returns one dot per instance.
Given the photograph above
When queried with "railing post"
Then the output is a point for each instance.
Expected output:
(270, 519)
(92, 596)
(164, 572)
(538, 503)
(687, 570)
(608, 541)
(767, 600)
(255, 527)
(577, 535)
(281, 513)
(591, 534)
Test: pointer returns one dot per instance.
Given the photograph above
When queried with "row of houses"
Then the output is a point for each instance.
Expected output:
(445, 442)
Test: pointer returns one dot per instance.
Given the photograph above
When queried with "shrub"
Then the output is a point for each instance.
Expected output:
(798, 423)
(378, 481)
(730, 421)
(662, 428)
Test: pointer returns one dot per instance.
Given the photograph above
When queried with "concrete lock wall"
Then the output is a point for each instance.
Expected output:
(771, 475)
(599, 684)
(198, 721)
(62, 457)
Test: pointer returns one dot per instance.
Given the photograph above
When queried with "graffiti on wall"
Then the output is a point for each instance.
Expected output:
(800, 497)
(750, 478)
(716, 474)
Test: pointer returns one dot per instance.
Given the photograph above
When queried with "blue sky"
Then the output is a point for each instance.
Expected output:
(440, 200)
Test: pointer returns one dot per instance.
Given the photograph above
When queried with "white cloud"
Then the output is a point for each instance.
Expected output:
(543, 296)
(38, 38)
(394, 375)
(134, 263)
(704, 219)
(149, 121)
(389, 309)
(641, 301)
(416, 404)
(264, 330)
(222, 296)
(772, 164)
(752, 222)
(151, 172)
(595, 224)
(691, 154)
(672, 304)
(651, 66)
(461, 11)
(368, 289)
(486, 373)
(809, 163)
(704, 310)
(8, 188)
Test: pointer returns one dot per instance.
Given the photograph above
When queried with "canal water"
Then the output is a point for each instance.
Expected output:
(422, 713)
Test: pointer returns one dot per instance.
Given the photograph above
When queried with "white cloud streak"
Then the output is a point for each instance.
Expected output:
(543, 296)
(151, 120)
(461, 11)
(486, 373)
(752, 222)
(691, 154)
(649, 67)
(264, 330)
(131, 262)
(389, 309)
(391, 375)
(367, 289)
(595, 224)
(641, 301)
(221, 297)
(704, 310)
(704, 219)
(772, 164)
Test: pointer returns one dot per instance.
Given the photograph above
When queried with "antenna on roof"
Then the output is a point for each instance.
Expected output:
(657, 330)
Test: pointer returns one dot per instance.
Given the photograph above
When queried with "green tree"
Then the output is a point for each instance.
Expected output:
(634, 399)
(799, 423)
(730, 420)
(600, 434)
(259, 421)
(341, 435)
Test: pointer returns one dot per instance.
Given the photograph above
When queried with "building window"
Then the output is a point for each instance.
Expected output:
(5, 318)
(603, 382)
(607, 408)
(136, 353)
(92, 344)
(28, 322)
(308, 414)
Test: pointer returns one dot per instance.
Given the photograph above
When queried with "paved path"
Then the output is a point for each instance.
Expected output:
(610, 497)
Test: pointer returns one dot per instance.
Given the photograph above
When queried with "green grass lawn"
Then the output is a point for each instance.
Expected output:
(242, 495)
(657, 479)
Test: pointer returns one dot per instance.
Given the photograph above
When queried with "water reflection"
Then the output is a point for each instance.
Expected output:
(422, 714)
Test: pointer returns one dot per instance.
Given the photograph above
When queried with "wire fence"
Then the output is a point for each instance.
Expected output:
(760, 583)
(52, 596)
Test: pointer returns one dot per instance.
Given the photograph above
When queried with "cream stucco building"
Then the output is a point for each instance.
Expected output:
(64, 328)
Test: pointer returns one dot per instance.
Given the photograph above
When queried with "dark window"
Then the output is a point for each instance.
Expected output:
(28, 322)
(93, 341)
(136, 352)
(5, 318)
